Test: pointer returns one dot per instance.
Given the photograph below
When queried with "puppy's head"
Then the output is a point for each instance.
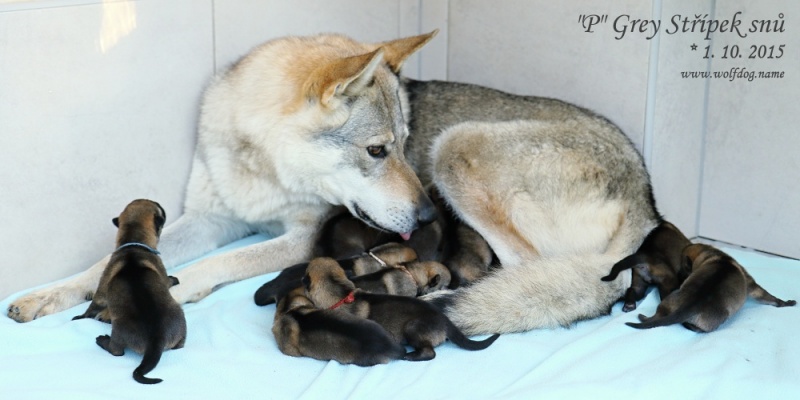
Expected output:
(394, 253)
(325, 282)
(695, 255)
(143, 215)
(293, 300)
(430, 276)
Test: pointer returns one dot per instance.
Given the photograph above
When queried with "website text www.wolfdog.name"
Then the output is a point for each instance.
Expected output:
(733, 74)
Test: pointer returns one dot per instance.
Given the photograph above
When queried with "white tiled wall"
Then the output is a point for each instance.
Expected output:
(751, 182)
(97, 108)
(98, 105)
(538, 47)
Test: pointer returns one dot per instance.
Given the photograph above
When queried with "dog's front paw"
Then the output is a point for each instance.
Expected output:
(44, 302)
(186, 294)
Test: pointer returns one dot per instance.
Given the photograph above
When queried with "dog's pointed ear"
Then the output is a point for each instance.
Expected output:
(345, 76)
(115, 221)
(397, 51)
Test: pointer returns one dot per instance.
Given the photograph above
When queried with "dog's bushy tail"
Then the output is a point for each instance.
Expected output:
(540, 293)
(152, 355)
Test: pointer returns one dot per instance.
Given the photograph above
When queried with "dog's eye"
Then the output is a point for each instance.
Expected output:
(377, 151)
(306, 282)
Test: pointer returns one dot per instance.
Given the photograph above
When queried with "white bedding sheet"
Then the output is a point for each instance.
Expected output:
(230, 353)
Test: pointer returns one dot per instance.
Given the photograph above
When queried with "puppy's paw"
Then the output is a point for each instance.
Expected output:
(787, 303)
(104, 316)
(629, 306)
(45, 302)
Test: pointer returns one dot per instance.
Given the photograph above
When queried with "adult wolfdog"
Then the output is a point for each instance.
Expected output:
(303, 124)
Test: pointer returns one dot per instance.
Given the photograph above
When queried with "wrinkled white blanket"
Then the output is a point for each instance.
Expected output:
(230, 353)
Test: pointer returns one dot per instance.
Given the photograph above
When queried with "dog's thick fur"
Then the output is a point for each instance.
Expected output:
(657, 262)
(303, 124)
(408, 320)
(301, 329)
(715, 289)
(134, 292)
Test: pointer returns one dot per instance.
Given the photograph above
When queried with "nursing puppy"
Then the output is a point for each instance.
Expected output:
(365, 263)
(301, 329)
(558, 192)
(408, 320)
(378, 258)
(134, 292)
(656, 262)
(447, 240)
(412, 279)
(716, 288)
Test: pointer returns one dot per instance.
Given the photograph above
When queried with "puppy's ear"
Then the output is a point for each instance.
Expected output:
(433, 282)
(686, 267)
(163, 213)
(159, 222)
(115, 221)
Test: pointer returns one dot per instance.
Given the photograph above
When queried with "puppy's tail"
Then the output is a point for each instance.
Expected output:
(680, 315)
(539, 293)
(460, 340)
(152, 355)
(626, 263)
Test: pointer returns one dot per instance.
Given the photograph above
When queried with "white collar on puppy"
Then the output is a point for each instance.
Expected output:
(137, 244)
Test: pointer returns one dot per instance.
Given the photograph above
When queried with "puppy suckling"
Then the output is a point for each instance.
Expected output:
(716, 288)
(133, 292)
(656, 262)
(301, 329)
(412, 279)
(408, 320)
(448, 240)
(373, 260)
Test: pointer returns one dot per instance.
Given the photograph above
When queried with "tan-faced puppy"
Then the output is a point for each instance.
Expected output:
(301, 329)
(656, 262)
(396, 280)
(374, 260)
(134, 292)
(411, 279)
(379, 257)
(408, 320)
(715, 289)
(430, 276)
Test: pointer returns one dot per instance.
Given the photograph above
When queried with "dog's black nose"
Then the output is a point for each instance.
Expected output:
(427, 211)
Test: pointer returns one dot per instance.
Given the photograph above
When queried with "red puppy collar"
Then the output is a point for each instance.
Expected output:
(351, 297)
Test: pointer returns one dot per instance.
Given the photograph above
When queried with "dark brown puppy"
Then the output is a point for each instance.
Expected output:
(300, 329)
(447, 240)
(408, 320)
(371, 261)
(411, 279)
(716, 288)
(134, 292)
(657, 262)
(377, 258)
